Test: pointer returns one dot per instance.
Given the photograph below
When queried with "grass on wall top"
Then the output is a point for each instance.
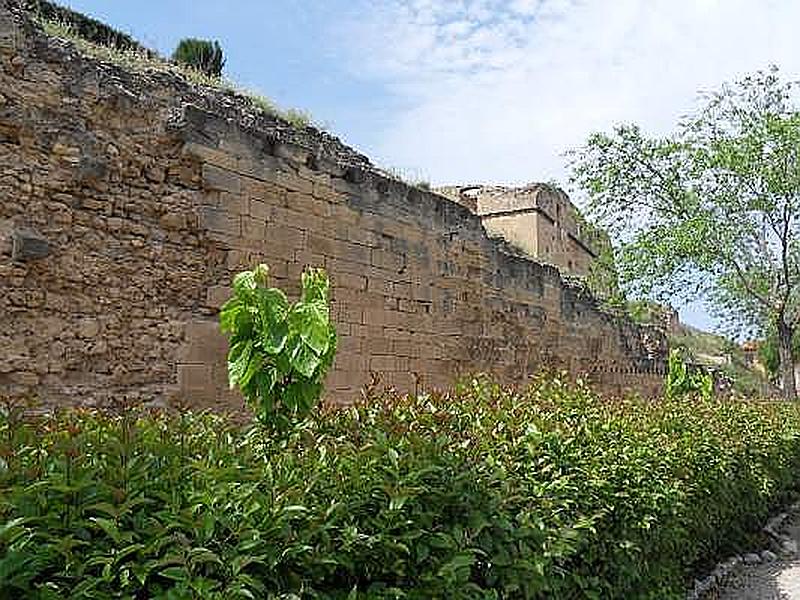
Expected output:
(139, 59)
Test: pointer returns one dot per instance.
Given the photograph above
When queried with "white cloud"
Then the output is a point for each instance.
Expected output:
(496, 90)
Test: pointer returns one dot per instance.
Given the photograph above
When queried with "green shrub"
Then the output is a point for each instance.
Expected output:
(279, 353)
(683, 380)
(203, 55)
(551, 493)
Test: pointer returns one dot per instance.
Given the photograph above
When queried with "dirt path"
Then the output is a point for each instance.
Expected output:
(775, 581)
(774, 577)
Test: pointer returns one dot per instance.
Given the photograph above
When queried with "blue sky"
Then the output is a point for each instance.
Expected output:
(477, 90)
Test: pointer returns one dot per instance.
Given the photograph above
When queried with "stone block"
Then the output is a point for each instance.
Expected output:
(287, 217)
(384, 318)
(323, 190)
(303, 259)
(259, 209)
(204, 343)
(347, 312)
(408, 306)
(378, 284)
(290, 181)
(363, 237)
(422, 292)
(262, 168)
(236, 260)
(25, 378)
(234, 203)
(274, 252)
(349, 281)
(215, 178)
(322, 245)
(213, 156)
(384, 259)
(28, 244)
(291, 152)
(88, 328)
(402, 289)
(285, 236)
(10, 35)
(173, 221)
(195, 378)
(217, 295)
(156, 173)
(407, 348)
(377, 346)
(353, 362)
(264, 191)
(220, 221)
(388, 364)
(253, 229)
(354, 253)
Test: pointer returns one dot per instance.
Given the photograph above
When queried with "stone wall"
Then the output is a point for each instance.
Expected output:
(128, 199)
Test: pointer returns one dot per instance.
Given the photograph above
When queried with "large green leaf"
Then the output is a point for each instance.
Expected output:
(311, 322)
(265, 382)
(304, 360)
(229, 313)
(273, 308)
(301, 395)
(273, 305)
(256, 361)
(244, 285)
(238, 361)
(273, 338)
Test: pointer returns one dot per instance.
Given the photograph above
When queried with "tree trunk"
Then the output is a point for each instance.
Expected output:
(785, 333)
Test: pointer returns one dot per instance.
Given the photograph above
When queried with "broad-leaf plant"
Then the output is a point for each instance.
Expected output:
(279, 351)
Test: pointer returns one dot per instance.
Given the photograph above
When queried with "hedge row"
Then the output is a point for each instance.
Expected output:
(551, 493)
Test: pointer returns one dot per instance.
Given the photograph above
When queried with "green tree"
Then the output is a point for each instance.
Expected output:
(769, 355)
(711, 210)
(204, 55)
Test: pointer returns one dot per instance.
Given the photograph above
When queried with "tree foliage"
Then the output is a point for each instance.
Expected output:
(204, 55)
(712, 210)
(769, 354)
(279, 352)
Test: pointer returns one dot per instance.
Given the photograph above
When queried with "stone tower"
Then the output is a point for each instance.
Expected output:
(537, 219)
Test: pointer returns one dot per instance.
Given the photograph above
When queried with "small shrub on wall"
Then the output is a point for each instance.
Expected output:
(203, 55)
(549, 493)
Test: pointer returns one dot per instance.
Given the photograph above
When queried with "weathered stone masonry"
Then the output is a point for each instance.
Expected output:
(128, 201)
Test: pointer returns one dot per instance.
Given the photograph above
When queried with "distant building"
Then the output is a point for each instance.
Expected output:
(537, 219)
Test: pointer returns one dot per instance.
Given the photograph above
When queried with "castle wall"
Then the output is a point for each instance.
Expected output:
(129, 200)
(558, 246)
(519, 230)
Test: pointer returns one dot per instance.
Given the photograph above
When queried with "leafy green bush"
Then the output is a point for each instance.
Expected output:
(279, 353)
(683, 380)
(551, 493)
(205, 56)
